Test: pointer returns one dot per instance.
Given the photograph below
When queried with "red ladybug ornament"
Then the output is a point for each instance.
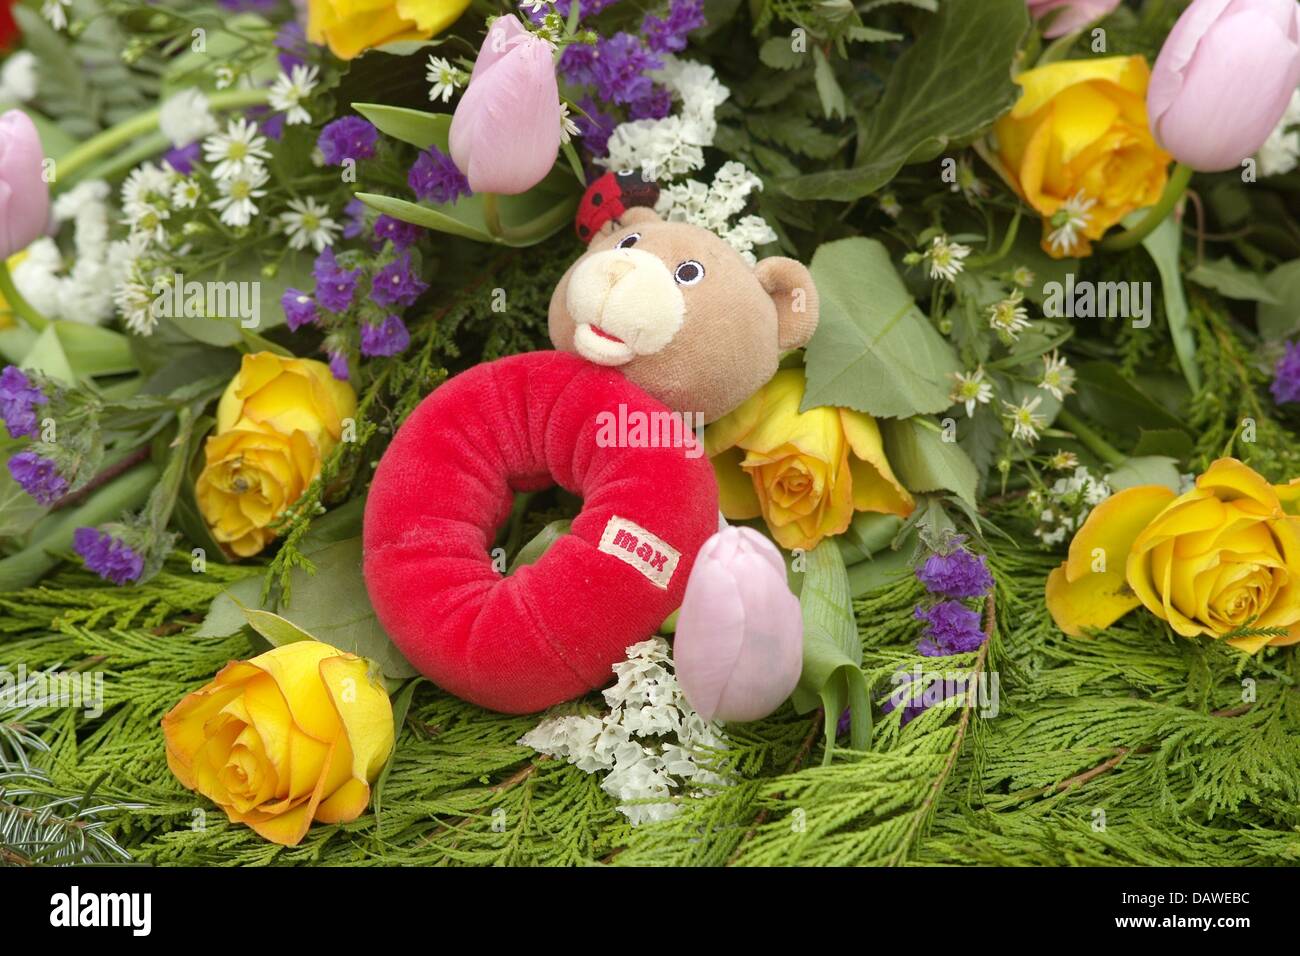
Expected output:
(609, 197)
(8, 28)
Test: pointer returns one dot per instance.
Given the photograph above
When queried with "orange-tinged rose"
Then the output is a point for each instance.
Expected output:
(1077, 148)
(294, 735)
(1221, 558)
(806, 473)
(351, 26)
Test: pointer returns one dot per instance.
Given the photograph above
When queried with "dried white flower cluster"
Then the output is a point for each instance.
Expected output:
(713, 206)
(1063, 507)
(649, 745)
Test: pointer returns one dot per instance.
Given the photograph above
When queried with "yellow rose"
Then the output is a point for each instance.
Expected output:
(1077, 148)
(294, 735)
(805, 473)
(350, 26)
(276, 421)
(1222, 557)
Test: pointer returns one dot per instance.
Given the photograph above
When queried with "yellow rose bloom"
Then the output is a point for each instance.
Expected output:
(1222, 557)
(276, 421)
(1077, 148)
(294, 735)
(805, 473)
(351, 26)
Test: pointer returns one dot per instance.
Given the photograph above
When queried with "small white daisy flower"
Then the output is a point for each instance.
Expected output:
(308, 223)
(146, 219)
(56, 13)
(186, 194)
(134, 300)
(970, 390)
(1009, 317)
(1058, 377)
(568, 128)
(947, 258)
(1063, 461)
(1069, 222)
(444, 79)
(236, 204)
(236, 151)
(289, 90)
(534, 6)
(1024, 423)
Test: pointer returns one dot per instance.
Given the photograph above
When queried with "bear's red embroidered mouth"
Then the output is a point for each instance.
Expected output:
(605, 335)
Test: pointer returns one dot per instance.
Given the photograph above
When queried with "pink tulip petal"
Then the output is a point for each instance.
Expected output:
(25, 196)
(1075, 13)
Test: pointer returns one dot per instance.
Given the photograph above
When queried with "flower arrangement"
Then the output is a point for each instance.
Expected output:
(1020, 514)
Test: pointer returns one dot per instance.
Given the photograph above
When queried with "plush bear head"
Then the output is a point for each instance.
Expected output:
(681, 313)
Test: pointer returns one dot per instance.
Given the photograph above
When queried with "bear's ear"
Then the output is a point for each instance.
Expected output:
(790, 285)
(631, 217)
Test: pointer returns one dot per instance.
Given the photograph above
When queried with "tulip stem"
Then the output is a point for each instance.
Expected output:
(534, 230)
(1089, 438)
(20, 306)
(1129, 238)
(141, 125)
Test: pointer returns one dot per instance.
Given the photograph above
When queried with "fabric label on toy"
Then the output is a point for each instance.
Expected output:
(634, 545)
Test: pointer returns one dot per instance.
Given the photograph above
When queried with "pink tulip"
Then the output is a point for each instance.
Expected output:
(24, 194)
(1223, 80)
(505, 133)
(1074, 14)
(739, 643)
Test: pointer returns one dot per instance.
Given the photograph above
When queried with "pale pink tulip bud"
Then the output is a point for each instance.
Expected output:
(505, 133)
(739, 644)
(1223, 80)
(24, 194)
(1074, 13)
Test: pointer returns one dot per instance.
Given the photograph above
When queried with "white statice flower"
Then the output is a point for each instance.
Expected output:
(1025, 424)
(946, 258)
(1069, 222)
(712, 207)
(568, 128)
(444, 79)
(651, 746)
(37, 276)
(55, 13)
(290, 89)
(84, 292)
(1009, 317)
(308, 223)
(186, 193)
(748, 232)
(1058, 377)
(18, 77)
(1281, 151)
(185, 117)
(534, 6)
(971, 389)
(236, 151)
(238, 192)
(1062, 507)
(86, 206)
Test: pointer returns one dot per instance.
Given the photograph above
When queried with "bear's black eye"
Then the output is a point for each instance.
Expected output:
(628, 241)
(688, 272)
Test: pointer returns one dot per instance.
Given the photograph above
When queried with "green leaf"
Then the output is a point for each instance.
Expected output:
(1147, 470)
(1164, 244)
(1281, 320)
(832, 652)
(923, 461)
(416, 127)
(879, 571)
(1107, 398)
(228, 611)
(947, 87)
(333, 604)
(401, 707)
(874, 350)
(532, 552)
(274, 628)
(778, 52)
(1229, 279)
(430, 217)
(828, 87)
(1169, 442)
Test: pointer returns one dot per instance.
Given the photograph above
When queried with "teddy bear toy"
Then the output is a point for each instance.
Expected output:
(657, 323)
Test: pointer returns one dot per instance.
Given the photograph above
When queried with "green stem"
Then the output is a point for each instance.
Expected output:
(1129, 238)
(20, 306)
(1089, 438)
(535, 230)
(141, 125)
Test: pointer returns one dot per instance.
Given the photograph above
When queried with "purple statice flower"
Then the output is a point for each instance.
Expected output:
(339, 364)
(1286, 376)
(183, 158)
(595, 127)
(668, 34)
(349, 137)
(434, 176)
(403, 235)
(18, 400)
(397, 284)
(254, 6)
(335, 285)
(958, 574)
(951, 628)
(577, 62)
(267, 120)
(112, 559)
(389, 337)
(299, 309)
(38, 476)
(291, 41)
(620, 73)
(911, 710)
(355, 218)
(656, 105)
